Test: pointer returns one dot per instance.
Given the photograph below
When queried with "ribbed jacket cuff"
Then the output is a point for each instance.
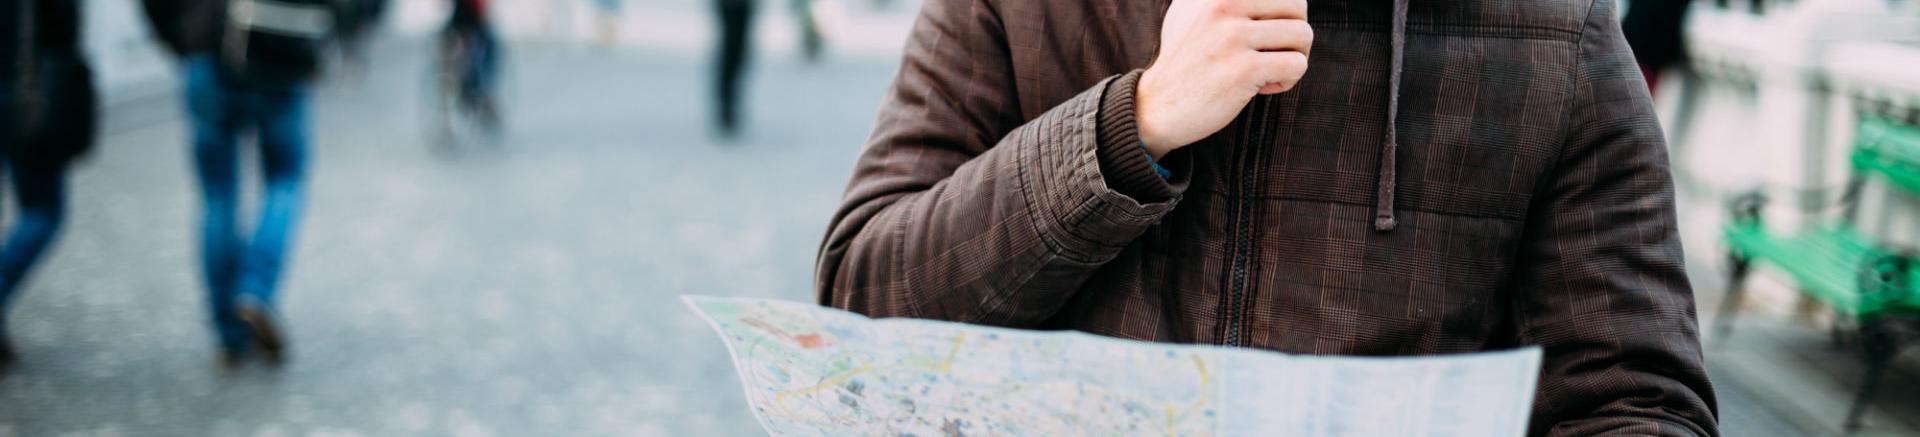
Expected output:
(1125, 166)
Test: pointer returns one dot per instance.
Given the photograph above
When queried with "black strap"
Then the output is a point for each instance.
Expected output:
(26, 95)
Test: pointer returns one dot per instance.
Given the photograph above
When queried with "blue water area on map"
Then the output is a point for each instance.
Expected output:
(841, 332)
(778, 373)
(1013, 361)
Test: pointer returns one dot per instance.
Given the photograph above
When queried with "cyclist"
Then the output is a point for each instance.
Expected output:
(470, 52)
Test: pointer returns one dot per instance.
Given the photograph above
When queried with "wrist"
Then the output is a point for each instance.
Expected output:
(1157, 146)
(1152, 134)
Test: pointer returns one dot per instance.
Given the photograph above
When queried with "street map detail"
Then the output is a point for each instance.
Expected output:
(814, 371)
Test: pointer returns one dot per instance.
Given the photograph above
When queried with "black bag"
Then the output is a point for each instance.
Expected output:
(277, 41)
(54, 102)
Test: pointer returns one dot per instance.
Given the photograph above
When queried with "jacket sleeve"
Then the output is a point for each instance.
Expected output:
(961, 208)
(1603, 286)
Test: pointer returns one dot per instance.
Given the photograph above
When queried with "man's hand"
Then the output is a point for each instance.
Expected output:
(1215, 55)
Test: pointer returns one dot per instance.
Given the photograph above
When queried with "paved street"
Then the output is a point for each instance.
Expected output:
(525, 289)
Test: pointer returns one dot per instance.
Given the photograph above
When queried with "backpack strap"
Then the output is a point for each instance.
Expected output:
(26, 95)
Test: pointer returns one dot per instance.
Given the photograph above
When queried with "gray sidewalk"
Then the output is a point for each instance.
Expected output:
(525, 290)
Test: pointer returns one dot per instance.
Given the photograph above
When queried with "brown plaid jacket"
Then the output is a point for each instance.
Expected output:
(1528, 201)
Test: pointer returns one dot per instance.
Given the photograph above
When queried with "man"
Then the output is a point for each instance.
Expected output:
(242, 75)
(1373, 178)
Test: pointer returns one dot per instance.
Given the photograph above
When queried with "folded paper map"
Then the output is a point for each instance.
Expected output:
(814, 371)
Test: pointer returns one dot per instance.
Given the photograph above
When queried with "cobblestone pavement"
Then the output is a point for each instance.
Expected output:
(528, 289)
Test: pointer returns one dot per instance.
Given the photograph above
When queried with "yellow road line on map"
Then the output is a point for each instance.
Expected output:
(1170, 421)
(947, 366)
(1206, 378)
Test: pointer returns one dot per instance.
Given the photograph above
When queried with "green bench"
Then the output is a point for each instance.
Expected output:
(1868, 284)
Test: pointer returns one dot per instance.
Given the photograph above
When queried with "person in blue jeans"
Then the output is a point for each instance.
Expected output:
(46, 122)
(40, 190)
(242, 273)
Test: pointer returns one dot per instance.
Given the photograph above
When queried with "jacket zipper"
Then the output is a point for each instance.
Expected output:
(1243, 227)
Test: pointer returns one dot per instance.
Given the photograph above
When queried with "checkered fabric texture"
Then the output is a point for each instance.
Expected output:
(1002, 185)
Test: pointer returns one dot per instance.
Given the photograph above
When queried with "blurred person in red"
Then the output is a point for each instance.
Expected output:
(47, 120)
(1374, 178)
(469, 47)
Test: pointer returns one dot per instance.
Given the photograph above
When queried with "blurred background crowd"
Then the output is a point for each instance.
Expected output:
(474, 217)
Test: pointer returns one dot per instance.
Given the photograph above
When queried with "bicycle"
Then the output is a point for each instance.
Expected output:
(464, 83)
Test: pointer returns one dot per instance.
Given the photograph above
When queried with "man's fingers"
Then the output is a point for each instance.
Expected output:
(1278, 71)
(1279, 35)
(1273, 9)
(1279, 38)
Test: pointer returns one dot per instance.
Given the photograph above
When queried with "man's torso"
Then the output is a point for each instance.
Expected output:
(1272, 245)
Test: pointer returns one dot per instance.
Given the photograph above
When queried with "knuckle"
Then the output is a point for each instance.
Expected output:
(1293, 59)
(1225, 35)
(1241, 33)
(1235, 64)
(1295, 62)
(1222, 7)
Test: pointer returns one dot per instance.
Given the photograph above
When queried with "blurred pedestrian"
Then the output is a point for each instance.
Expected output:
(736, 26)
(736, 47)
(609, 16)
(47, 119)
(469, 54)
(356, 25)
(247, 71)
(1656, 31)
(812, 41)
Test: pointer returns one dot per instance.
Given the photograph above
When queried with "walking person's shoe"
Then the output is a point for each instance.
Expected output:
(262, 328)
(486, 110)
(727, 123)
(7, 356)
(229, 358)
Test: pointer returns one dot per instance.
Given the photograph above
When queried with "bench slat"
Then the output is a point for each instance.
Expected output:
(1824, 261)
